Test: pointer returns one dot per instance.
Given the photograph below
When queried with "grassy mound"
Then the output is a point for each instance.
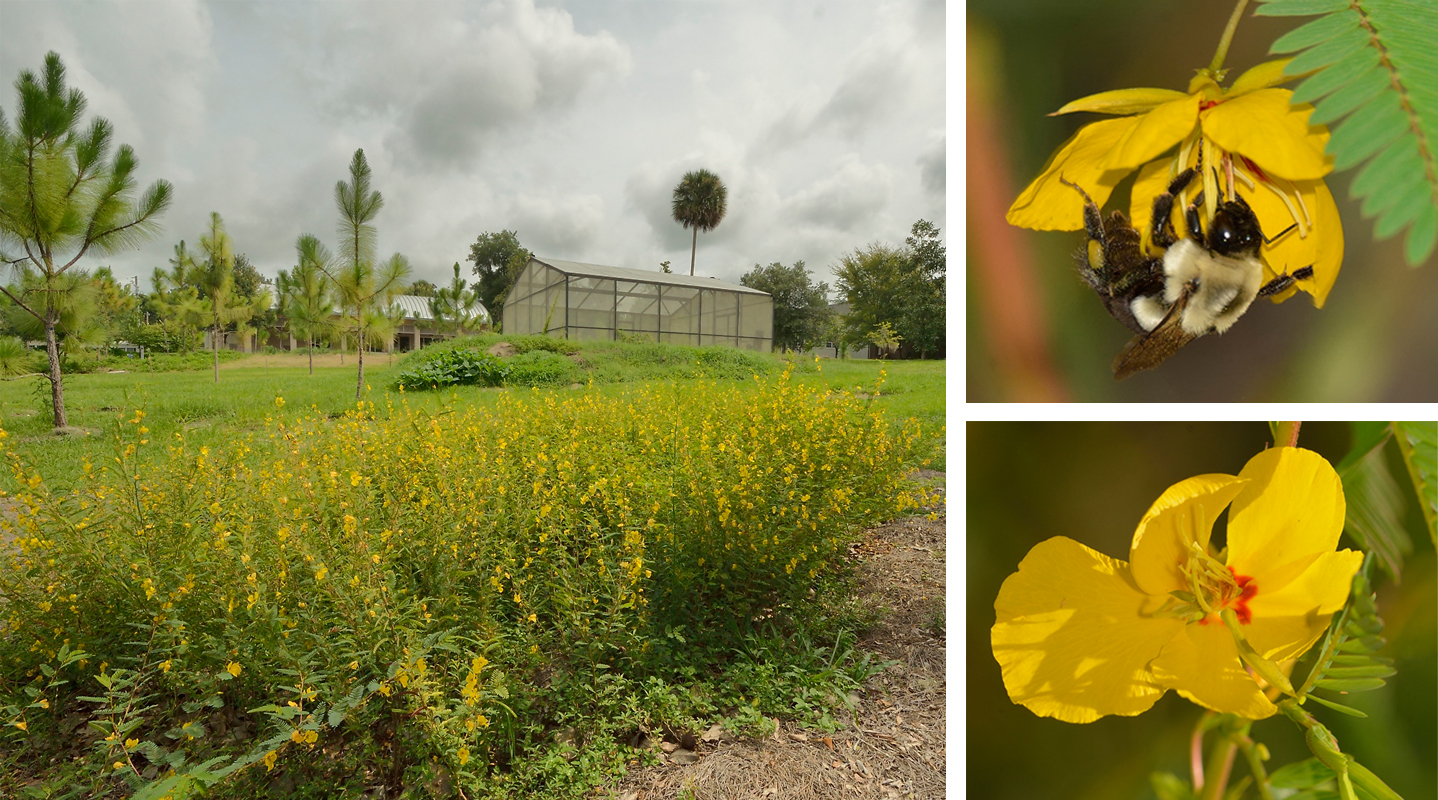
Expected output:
(546, 361)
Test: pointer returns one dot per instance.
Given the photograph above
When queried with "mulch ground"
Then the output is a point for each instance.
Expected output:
(895, 747)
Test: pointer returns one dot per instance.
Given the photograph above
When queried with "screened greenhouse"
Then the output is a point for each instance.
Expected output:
(589, 301)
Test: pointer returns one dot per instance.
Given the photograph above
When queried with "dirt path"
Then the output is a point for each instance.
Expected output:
(897, 749)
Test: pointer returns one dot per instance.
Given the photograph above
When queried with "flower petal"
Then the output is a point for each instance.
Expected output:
(1269, 73)
(1182, 515)
(1316, 593)
(1157, 131)
(1264, 127)
(1289, 515)
(1202, 663)
(1047, 204)
(1322, 249)
(1070, 636)
(1121, 101)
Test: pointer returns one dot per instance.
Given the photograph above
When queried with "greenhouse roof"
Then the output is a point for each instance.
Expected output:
(644, 276)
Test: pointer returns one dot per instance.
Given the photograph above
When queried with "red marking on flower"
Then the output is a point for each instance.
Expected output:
(1204, 105)
(1256, 170)
(1239, 604)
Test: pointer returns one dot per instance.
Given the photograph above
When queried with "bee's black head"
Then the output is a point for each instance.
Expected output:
(1234, 230)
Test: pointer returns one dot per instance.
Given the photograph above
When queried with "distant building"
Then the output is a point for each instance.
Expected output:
(418, 330)
(831, 349)
(571, 300)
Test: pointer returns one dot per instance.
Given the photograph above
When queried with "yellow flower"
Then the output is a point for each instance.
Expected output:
(233, 668)
(1080, 635)
(270, 759)
(463, 755)
(1261, 146)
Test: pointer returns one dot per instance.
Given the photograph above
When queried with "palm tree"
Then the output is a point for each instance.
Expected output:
(304, 294)
(699, 204)
(60, 198)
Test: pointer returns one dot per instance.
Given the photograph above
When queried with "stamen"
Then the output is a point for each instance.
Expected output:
(1210, 185)
(1302, 220)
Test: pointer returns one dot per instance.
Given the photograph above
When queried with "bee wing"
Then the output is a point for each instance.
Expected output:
(1152, 348)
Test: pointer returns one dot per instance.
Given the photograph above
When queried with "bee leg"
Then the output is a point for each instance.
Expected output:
(1195, 225)
(1161, 231)
(1092, 217)
(1284, 281)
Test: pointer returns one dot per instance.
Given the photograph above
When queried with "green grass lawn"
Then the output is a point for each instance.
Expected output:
(211, 413)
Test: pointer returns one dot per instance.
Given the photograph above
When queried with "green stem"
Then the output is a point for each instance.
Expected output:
(1220, 765)
(1255, 766)
(1217, 66)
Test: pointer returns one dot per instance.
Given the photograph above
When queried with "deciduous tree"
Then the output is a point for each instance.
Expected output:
(801, 307)
(498, 259)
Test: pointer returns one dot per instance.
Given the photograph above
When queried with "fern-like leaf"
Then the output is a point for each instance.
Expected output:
(1418, 441)
(1344, 663)
(1374, 67)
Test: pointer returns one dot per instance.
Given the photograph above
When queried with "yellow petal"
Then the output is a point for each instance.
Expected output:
(1047, 204)
(1182, 515)
(1281, 639)
(1202, 663)
(1317, 592)
(1322, 249)
(1274, 135)
(1070, 636)
(1152, 181)
(1157, 131)
(1289, 515)
(1269, 73)
(1122, 101)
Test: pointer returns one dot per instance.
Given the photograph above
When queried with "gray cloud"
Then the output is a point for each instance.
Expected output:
(932, 165)
(450, 83)
(853, 195)
(563, 227)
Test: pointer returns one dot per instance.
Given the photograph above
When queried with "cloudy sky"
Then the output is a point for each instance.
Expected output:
(568, 122)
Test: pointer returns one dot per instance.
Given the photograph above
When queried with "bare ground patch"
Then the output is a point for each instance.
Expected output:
(897, 747)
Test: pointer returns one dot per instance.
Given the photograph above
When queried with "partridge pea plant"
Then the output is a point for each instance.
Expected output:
(424, 589)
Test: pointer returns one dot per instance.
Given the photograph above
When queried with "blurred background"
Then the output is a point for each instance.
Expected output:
(1092, 482)
(1036, 332)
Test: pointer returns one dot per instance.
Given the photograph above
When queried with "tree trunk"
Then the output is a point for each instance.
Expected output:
(312, 355)
(215, 345)
(692, 250)
(359, 385)
(57, 388)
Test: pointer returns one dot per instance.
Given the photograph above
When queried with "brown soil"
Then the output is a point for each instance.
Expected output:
(897, 748)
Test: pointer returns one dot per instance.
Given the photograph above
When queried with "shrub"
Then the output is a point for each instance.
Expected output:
(540, 368)
(455, 368)
(412, 590)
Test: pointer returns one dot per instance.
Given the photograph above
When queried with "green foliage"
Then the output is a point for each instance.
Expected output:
(1376, 66)
(454, 368)
(164, 337)
(1374, 503)
(498, 258)
(14, 356)
(1418, 441)
(901, 287)
(801, 308)
(456, 307)
(540, 368)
